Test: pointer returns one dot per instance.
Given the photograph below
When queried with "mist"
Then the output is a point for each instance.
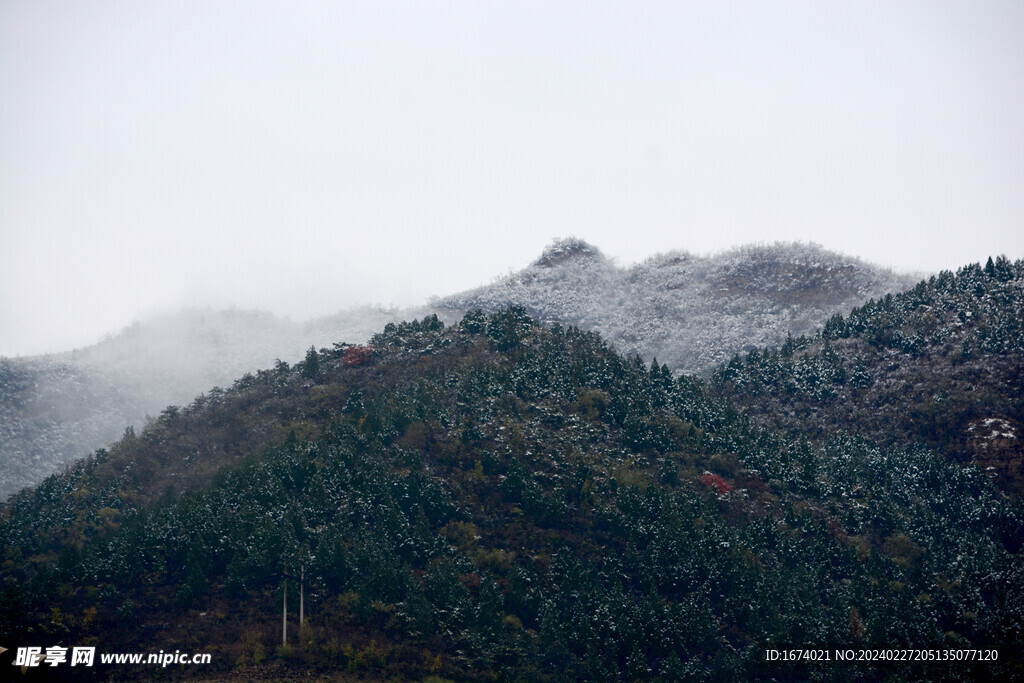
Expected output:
(307, 158)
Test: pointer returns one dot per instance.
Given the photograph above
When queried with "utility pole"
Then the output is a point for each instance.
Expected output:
(284, 616)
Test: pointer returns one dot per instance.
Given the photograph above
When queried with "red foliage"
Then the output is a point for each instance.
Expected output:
(709, 479)
(357, 355)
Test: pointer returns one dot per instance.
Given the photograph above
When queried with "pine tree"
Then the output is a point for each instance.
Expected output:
(311, 366)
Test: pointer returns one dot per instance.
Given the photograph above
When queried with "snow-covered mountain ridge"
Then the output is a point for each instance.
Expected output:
(691, 312)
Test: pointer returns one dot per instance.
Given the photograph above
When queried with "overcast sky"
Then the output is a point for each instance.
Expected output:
(302, 157)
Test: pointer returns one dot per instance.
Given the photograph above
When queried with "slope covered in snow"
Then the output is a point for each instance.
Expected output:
(691, 312)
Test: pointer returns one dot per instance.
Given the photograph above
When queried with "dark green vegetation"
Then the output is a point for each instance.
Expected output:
(500, 500)
(941, 364)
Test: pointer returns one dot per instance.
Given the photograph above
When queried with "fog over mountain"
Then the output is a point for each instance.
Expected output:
(63, 406)
(690, 312)
(158, 155)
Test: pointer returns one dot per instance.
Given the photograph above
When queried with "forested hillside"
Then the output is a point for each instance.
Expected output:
(497, 499)
(941, 364)
(690, 312)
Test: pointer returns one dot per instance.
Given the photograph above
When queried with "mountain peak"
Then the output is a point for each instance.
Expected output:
(566, 249)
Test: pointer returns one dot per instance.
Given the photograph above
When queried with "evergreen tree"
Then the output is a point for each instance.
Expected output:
(311, 365)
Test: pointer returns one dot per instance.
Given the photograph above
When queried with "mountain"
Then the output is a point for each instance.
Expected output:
(500, 500)
(691, 312)
(57, 408)
(941, 364)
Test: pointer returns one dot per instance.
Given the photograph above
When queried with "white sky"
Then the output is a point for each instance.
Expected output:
(302, 157)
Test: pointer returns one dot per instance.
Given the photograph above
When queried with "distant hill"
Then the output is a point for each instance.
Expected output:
(61, 407)
(941, 364)
(690, 312)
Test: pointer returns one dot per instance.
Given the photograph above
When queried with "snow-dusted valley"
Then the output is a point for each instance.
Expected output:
(690, 312)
